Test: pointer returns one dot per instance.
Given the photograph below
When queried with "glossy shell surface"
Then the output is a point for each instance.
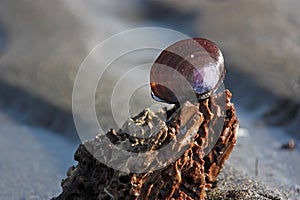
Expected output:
(192, 63)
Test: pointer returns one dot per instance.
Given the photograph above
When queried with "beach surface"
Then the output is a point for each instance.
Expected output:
(43, 43)
(33, 161)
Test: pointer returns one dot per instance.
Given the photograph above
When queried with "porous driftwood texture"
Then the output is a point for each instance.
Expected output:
(187, 177)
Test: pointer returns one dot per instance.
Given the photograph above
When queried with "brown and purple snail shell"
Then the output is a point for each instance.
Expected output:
(198, 60)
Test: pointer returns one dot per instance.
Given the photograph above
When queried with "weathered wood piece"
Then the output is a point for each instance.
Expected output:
(186, 178)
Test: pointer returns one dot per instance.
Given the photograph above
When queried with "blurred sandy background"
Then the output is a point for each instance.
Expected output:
(42, 44)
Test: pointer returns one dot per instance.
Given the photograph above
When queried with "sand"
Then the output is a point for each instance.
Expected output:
(43, 43)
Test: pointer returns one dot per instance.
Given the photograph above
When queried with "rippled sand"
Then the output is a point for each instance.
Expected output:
(43, 43)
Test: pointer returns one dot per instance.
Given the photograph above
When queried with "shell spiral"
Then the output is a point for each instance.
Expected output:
(198, 61)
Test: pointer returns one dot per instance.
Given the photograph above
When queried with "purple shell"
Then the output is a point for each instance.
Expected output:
(196, 61)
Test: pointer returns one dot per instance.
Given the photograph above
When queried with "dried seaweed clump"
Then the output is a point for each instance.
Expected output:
(185, 178)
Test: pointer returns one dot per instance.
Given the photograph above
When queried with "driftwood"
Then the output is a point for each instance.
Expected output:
(186, 178)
